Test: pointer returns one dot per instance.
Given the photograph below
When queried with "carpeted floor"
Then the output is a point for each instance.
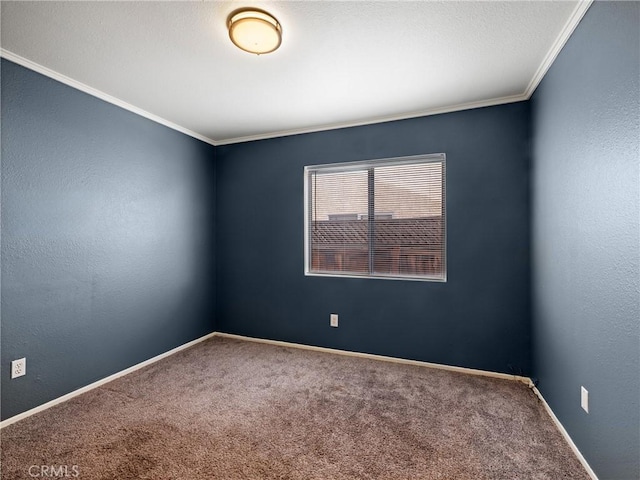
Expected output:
(230, 409)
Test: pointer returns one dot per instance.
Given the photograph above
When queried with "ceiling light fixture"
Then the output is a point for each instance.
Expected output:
(254, 30)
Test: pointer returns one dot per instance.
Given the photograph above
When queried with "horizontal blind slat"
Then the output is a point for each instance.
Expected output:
(408, 205)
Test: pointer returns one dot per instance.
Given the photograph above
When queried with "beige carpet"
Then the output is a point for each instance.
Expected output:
(228, 409)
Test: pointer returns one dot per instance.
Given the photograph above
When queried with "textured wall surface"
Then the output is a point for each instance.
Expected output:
(586, 237)
(479, 318)
(107, 238)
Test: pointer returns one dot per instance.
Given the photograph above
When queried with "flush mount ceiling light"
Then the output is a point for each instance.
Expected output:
(254, 30)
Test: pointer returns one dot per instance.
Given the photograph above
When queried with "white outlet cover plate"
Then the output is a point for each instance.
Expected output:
(334, 320)
(18, 367)
(584, 399)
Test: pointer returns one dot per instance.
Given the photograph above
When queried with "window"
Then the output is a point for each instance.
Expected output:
(379, 218)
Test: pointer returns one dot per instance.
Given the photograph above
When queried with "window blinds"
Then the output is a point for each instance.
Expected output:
(380, 218)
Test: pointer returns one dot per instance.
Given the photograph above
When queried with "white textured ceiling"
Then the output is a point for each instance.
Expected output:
(340, 63)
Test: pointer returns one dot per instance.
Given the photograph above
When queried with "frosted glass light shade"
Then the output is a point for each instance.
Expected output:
(254, 31)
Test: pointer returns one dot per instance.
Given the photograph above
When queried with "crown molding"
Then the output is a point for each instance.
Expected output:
(36, 67)
(560, 41)
(375, 120)
(47, 72)
(558, 45)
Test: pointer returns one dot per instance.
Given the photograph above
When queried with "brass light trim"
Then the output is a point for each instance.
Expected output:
(254, 30)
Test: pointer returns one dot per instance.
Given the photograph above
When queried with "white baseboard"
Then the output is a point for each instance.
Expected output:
(108, 379)
(138, 366)
(470, 371)
(564, 433)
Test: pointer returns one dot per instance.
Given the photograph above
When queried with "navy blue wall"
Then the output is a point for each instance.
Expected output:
(586, 237)
(107, 238)
(479, 318)
(111, 225)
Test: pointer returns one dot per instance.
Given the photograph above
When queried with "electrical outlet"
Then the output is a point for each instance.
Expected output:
(584, 399)
(18, 367)
(334, 320)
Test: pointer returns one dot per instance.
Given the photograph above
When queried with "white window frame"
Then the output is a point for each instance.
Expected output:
(360, 165)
